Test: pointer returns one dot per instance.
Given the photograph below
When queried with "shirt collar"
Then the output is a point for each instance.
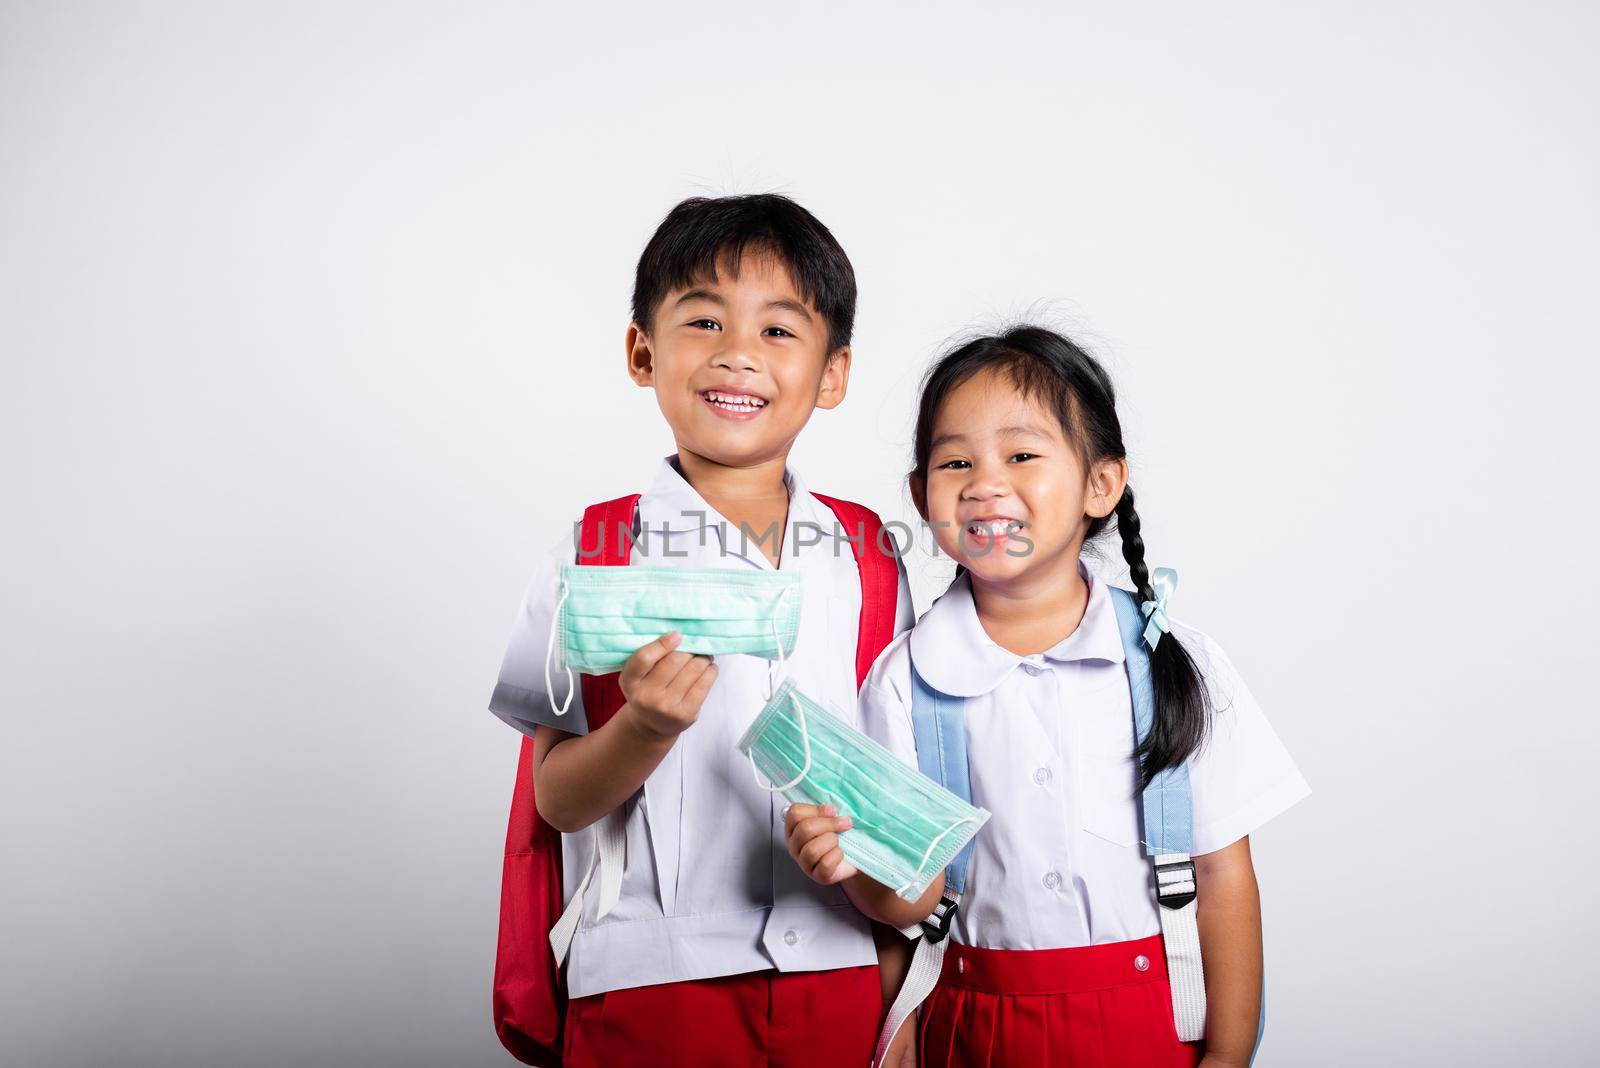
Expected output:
(672, 506)
(955, 655)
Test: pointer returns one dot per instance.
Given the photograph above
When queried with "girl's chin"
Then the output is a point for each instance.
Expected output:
(995, 568)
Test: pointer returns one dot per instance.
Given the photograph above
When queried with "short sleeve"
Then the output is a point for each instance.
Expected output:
(521, 696)
(885, 705)
(1243, 776)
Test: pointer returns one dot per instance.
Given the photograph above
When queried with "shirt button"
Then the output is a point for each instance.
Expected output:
(1142, 962)
(1032, 668)
(1051, 880)
(1042, 776)
(790, 938)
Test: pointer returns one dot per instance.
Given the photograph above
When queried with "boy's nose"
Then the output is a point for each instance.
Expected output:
(735, 356)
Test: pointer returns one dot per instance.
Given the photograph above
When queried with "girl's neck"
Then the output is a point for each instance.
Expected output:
(1036, 610)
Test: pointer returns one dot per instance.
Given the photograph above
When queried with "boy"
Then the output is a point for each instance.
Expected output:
(718, 948)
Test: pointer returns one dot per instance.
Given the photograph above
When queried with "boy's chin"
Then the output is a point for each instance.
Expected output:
(734, 449)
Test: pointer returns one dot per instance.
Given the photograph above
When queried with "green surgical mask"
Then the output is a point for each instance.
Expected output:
(605, 614)
(905, 827)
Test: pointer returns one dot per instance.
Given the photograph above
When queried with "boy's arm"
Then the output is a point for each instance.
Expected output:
(579, 778)
(1229, 917)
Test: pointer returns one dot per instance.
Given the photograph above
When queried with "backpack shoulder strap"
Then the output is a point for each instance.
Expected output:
(605, 539)
(939, 724)
(880, 579)
(1168, 805)
(1168, 837)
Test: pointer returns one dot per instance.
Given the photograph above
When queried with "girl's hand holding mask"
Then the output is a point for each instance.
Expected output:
(812, 832)
(664, 688)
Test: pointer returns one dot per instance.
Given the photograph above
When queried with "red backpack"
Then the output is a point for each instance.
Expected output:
(529, 991)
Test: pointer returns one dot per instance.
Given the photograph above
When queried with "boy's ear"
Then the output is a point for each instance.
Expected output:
(919, 494)
(641, 361)
(1107, 479)
(835, 378)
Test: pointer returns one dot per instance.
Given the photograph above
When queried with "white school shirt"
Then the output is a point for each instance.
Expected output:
(1050, 753)
(708, 888)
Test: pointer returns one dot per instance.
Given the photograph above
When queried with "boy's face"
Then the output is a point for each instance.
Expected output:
(738, 363)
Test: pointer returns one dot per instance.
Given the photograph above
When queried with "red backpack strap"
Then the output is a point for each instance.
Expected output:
(605, 539)
(880, 580)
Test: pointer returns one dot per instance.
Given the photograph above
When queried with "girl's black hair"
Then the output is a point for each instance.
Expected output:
(1054, 370)
(695, 234)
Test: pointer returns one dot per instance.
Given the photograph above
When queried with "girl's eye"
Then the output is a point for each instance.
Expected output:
(705, 324)
(953, 465)
(1025, 456)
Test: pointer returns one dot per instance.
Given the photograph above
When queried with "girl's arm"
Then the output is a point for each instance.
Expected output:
(813, 836)
(894, 960)
(1229, 915)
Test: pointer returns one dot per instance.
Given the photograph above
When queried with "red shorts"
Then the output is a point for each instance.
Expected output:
(772, 1019)
(1091, 1007)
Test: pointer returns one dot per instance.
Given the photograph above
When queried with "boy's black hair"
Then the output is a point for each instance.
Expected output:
(686, 246)
(1057, 371)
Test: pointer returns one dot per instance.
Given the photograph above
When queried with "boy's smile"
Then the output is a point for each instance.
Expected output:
(738, 361)
(733, 403)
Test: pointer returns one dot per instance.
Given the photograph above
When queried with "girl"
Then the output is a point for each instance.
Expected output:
(1057, 956)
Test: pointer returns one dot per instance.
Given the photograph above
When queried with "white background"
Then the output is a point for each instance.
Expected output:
(311, 319)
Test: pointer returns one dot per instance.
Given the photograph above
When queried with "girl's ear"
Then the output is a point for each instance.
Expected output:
(641, 361)
(919, 494)
(1107, 479)
(835, 378)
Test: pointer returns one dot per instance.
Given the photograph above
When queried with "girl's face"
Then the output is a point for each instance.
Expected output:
(1007, 494)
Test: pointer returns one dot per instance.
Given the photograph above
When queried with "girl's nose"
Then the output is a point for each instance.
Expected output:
(986, 482)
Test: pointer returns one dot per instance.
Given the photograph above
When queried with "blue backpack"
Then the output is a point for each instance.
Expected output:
(939, 724)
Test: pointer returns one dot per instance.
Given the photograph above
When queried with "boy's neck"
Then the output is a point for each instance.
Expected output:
(755, 497)
(1036, 611)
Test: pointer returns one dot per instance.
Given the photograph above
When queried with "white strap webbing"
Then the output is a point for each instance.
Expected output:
(610, 856)
(1181, 934)
(927, 961)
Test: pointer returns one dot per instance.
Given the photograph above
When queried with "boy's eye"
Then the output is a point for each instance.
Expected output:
(705, 324)
(778, 331)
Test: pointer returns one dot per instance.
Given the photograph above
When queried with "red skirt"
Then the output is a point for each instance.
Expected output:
(1106, 1006)
(774, 1019)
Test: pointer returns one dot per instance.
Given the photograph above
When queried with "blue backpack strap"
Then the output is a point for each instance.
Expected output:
(1168, 806)
(939, 724)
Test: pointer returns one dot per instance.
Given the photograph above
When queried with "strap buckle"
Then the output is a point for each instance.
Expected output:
(937, 925)
(1175, 884)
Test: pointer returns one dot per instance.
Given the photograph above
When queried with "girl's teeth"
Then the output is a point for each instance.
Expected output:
(995, 527)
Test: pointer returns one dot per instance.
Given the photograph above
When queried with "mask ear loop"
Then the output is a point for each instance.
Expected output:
(777, 641)
(942, 835)
(805, 739)
(549, 654)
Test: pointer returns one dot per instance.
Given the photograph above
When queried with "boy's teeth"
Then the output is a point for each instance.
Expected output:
(734, 402)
